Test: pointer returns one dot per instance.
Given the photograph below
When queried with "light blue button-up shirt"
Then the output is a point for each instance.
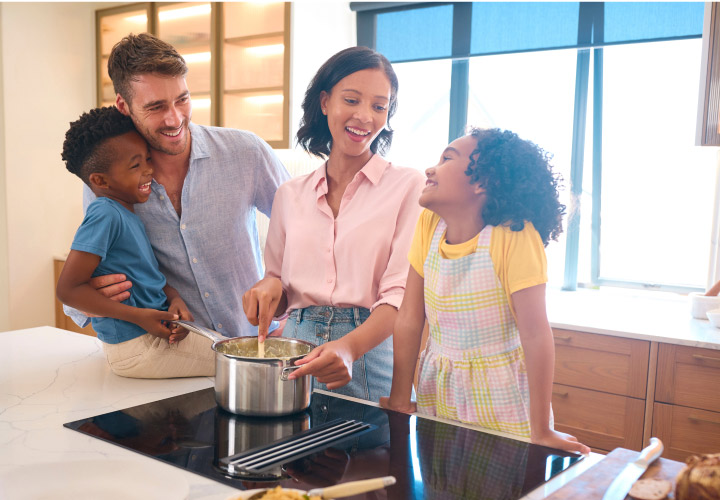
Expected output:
(211, 253)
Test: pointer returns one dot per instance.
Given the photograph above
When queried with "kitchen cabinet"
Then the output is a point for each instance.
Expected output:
(61, 320)
(686, 413)
(600, 388)
(238, 57)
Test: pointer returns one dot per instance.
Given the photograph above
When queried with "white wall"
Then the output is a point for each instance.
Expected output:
(48, 59)
(47, 78)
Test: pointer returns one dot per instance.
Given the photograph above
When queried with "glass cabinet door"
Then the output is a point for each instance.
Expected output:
(255, 67)
(111, 26)
(187, 27)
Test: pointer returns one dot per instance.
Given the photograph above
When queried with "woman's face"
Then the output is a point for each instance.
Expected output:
(357, 111)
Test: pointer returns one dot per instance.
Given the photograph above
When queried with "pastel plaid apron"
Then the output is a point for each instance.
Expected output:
(473, 369)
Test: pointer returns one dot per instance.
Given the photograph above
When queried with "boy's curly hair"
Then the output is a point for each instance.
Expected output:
(519, 181)
(83, 150)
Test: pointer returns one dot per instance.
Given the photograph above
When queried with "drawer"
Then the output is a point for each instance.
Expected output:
(688, 376)
(601, 362)
(686, 431)
(598, 419)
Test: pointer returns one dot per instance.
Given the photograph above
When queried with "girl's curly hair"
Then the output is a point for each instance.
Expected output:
(519, 181)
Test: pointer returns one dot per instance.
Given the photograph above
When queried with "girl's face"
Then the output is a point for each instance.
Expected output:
(357, 111)
(447, 185)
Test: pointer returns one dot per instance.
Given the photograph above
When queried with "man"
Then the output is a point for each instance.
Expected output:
(207, 183)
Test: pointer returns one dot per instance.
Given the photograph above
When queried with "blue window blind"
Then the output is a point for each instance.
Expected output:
(637, 21)
(417, 32)
(408, 35)
(499, 27)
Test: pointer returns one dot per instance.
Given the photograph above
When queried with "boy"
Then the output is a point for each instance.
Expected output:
(103, 148)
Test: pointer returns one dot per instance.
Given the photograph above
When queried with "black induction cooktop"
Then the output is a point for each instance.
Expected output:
(429, 459)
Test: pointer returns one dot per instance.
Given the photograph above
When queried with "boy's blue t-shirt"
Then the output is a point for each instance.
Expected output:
(118, 236)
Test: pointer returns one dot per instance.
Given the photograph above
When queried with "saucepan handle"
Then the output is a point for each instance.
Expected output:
(200, 330)
(287, 371)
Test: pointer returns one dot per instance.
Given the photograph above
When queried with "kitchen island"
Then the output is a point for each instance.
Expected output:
(49, 377)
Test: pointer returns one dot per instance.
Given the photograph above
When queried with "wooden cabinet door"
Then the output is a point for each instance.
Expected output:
(686, 431)
(601, 362)
(597, 419)
(688, 376)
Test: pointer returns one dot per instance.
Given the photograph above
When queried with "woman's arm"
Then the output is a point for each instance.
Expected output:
(537, 342)
(406, 343)
(73, 289)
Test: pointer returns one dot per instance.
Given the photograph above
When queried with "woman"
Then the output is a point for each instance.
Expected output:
(336, 251)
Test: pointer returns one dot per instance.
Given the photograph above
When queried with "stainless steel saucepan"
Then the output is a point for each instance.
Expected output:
(252, 386)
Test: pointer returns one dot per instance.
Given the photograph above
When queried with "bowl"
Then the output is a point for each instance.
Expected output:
(714, 317)
(700, 304)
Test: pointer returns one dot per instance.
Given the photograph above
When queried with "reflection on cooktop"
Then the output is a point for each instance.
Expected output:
(429, 459)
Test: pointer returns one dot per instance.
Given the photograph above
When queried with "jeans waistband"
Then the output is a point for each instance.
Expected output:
(331, 314)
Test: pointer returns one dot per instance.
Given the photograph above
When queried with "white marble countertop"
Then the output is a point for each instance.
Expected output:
(651, 316)
(50, 376)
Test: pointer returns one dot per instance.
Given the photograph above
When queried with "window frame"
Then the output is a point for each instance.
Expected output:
(589, 39)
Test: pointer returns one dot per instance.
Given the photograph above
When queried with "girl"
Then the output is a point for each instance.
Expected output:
(478, 258)
(336, 249)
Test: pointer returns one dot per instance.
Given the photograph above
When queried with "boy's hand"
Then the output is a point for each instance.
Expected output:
(155, 322)
(178, 307)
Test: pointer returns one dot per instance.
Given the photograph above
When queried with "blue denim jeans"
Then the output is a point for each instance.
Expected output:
(371, 373)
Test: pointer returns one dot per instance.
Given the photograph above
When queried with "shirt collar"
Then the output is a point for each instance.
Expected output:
(199, 147)
(372, 170)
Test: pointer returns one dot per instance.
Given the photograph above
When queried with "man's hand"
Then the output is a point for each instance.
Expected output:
(113, 286)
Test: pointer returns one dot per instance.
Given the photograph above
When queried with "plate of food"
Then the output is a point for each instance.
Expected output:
(337, 491)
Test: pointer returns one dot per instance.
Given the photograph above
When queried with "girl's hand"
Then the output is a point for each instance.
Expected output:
(330, 364)
(405, 406)
(561, 441)
(154, 322)
(178, 307)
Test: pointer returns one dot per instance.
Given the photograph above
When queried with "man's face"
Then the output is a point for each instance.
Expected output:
(161, 111)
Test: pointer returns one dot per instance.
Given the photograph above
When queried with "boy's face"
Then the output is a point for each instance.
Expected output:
(127, 181)
(447, 185)
(161, 111)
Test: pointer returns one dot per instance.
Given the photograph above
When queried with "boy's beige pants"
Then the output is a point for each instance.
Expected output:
(148, 356)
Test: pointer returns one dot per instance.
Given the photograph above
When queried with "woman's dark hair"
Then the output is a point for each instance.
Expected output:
(84, 150)
(519, 181)
(314, 135)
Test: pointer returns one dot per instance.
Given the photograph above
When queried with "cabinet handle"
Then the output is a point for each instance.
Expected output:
(562, 337)
(700, 357)
(698, 419)
(561, 394)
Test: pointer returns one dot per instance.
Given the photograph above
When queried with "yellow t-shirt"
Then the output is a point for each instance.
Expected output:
(518, 256)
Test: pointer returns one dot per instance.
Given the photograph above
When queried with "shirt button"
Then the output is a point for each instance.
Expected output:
(183, 226)
(194, 261)
(207, 294)
(162, 197)
(219, 326)
(329, 280)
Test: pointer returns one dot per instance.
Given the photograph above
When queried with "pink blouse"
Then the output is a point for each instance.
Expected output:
(356, 260)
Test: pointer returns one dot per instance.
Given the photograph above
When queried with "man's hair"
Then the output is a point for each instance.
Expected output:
(142, 54)
(84, 149)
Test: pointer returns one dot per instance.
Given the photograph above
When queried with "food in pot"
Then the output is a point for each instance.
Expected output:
(650, 489)
(274, 348)
(699, 479)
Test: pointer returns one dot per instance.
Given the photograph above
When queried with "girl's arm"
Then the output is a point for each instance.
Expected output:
(406, 343)
(537, 342)
(73, 289)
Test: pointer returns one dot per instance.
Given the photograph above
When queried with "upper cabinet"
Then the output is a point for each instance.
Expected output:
(238, 57)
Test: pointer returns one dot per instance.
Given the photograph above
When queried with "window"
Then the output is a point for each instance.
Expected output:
(610, 89)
